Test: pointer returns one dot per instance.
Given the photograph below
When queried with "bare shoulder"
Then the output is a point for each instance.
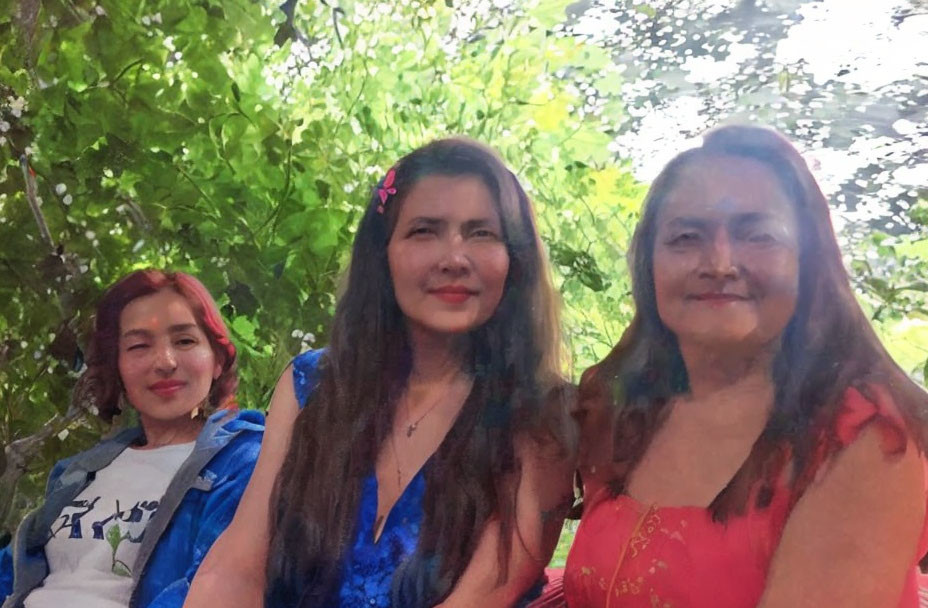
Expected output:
(232, 574)
(852, 537)
(555, 433)
(865, 473)
(283, 408)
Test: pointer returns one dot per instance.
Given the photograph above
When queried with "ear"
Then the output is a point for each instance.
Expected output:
(217, 371)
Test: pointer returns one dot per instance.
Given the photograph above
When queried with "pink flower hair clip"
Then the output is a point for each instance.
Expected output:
(386, 189)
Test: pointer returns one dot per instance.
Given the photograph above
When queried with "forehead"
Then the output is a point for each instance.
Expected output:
(453, 198)
(157, 311)
(721, 186)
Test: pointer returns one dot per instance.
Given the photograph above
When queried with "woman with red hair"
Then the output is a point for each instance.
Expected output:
(748, 442)
(127, 522)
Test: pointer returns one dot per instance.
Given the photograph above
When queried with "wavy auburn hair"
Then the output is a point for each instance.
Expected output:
(827, 347)
(515, 359)
(101, 385)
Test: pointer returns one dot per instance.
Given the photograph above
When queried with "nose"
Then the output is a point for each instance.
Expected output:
(165, 359)
(454, 260)
(718, 260)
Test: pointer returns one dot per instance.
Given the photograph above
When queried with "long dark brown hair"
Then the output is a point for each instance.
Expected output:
(515, 359)
(827, 347)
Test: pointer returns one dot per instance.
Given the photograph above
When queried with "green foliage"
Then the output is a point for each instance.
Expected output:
(230, 141)
(891, 274)
(179, 133)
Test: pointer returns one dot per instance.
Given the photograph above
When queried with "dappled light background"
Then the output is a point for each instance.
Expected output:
(239, 141)
(845, 79)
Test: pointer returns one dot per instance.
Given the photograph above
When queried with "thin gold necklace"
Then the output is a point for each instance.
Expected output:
(411, 427)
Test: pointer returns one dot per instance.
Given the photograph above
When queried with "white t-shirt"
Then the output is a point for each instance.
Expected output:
(96, 538)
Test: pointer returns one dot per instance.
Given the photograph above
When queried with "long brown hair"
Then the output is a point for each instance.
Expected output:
(515, 358)
(827, 347)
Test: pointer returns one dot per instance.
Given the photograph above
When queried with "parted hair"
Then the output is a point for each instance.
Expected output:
(515, 359)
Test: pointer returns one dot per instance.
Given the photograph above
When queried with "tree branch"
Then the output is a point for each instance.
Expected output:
(29, 178)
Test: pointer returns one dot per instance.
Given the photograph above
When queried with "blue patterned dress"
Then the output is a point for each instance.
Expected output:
(367, 575)
(368, 568)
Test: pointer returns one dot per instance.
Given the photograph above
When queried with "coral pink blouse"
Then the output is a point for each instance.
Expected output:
(631, 555)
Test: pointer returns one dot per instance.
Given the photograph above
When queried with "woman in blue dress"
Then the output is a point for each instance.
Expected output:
(419, 460)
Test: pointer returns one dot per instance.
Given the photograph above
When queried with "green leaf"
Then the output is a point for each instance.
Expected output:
(646, 9)
(244, 329)
(114, 536)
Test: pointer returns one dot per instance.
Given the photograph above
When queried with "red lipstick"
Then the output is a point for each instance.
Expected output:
(166, 388)
(718, 298)
(453, 294)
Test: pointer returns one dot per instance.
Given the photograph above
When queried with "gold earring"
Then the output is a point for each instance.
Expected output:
(199, 412)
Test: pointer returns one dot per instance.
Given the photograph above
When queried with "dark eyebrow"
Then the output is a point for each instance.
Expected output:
(422, 219)
(747, 218)
(738, 219)
(477, 223)
(144, 333)
(688, 222)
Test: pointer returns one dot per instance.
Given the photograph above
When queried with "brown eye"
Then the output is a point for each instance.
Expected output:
(484, 233)
(684, 238)
(761, 237)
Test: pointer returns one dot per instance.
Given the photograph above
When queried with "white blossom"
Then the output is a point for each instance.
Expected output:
(17, 106)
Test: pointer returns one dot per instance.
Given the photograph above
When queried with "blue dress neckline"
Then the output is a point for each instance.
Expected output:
(368, 567)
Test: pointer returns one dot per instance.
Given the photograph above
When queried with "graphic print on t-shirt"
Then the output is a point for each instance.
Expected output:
(95, 541)
(115, 525)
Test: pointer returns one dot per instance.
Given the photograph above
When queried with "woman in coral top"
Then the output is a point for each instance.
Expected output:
(748, 442)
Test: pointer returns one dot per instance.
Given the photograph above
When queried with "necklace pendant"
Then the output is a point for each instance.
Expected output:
(411, 429)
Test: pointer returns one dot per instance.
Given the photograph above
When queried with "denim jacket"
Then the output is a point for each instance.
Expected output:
(197, 506)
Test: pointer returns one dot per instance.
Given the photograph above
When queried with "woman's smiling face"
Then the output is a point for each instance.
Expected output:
(726, 254)
(166, 363)
(447, 254)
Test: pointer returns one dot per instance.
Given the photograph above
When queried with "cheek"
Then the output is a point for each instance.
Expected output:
(408, 264)
(778, 277)
(670, 274)
(494, 269)
(130, 371)
(202, 364)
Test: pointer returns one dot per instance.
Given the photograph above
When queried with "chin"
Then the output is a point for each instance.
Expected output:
(723, 337)
(450, 329)
(451, 323)
(168, 416)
